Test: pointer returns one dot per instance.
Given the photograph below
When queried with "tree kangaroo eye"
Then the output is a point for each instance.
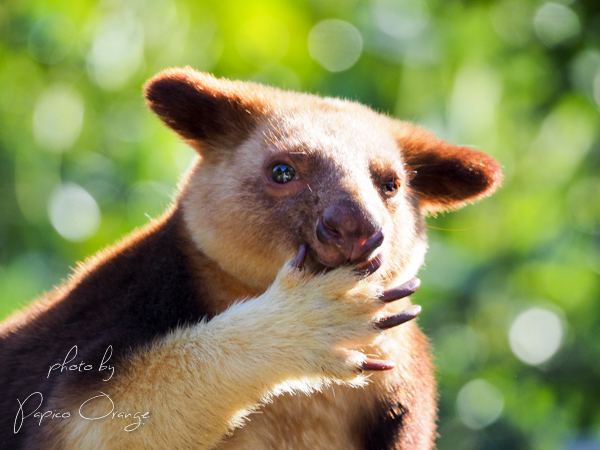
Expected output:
(390, 187)
(282, 173)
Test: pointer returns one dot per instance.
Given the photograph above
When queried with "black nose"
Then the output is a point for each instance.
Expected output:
(350, 230)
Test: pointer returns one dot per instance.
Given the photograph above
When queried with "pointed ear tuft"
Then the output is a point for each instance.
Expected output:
(203, 109)
(445, 176)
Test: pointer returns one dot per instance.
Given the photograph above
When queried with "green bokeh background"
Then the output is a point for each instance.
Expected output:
(517, 78)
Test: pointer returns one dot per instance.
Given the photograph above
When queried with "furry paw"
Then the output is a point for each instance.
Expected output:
(322, 319)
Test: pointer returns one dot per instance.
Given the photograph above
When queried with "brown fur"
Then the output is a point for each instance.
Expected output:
(126, 297)
(226, 240)
(446, 176)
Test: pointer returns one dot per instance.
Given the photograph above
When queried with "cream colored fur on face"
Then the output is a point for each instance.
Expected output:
(229, 224)
(201, 382)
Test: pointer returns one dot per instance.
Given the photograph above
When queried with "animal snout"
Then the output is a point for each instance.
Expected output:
(351, 231)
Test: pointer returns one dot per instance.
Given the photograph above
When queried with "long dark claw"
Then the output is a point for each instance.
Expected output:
(371, 364)
(298, 263)
(400, 318)
(404, 290)
(370, 266)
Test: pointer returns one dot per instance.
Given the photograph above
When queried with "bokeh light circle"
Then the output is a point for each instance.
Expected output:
(555, 23)
(58, 118)
(73, 212)
(336, 45)
(535, 335)
(479, 404)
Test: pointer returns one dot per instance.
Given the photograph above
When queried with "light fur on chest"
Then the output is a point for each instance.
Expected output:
(331, 419)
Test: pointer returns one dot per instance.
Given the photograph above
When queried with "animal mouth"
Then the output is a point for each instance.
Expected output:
(318, 264)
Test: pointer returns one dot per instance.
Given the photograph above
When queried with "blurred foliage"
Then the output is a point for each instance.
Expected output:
(511, 287)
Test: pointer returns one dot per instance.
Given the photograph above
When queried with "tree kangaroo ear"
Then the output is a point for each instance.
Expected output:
(445, 176)
(205, 110)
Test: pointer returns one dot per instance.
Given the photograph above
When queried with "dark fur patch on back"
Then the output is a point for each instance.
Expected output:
(126, 301)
